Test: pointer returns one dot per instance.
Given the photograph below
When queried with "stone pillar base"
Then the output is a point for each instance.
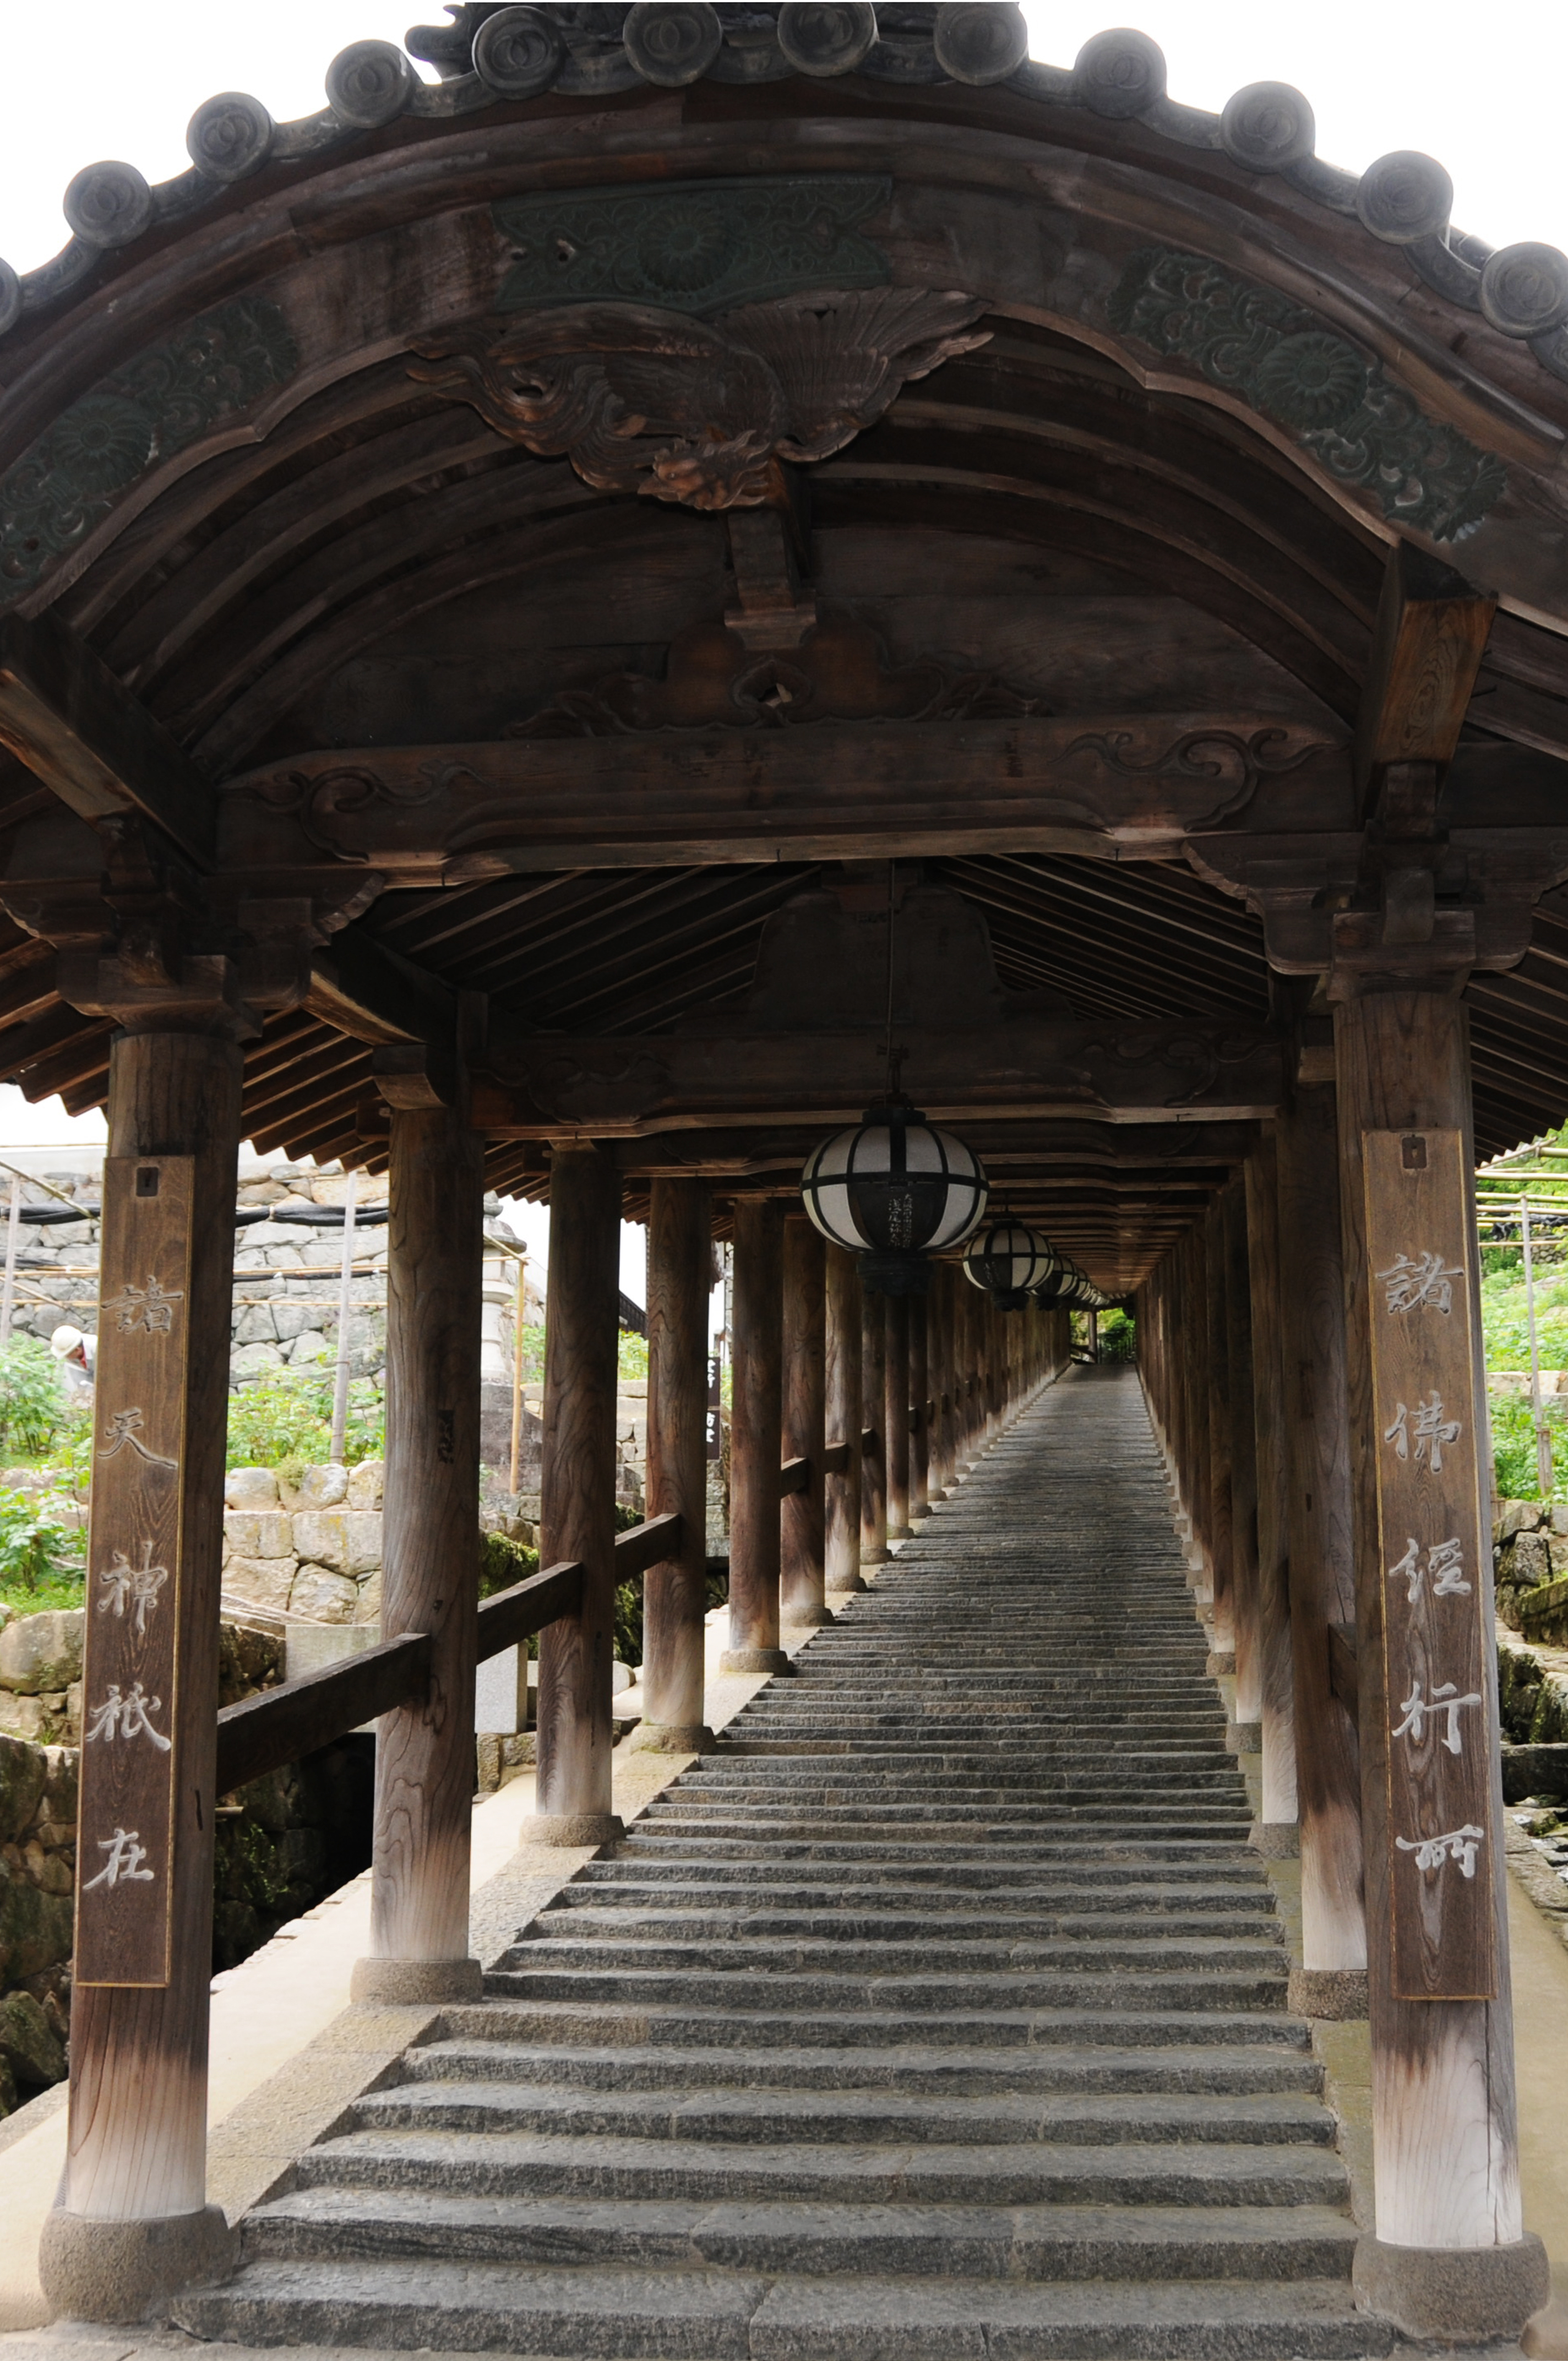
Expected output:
(901, 1533)
(125, 2272)
(1337, 1994)
(1221, 1663)
(1453, 2295)
(407, 1984)
(845, 1586)
(876, 1557)
(572, 1829)
(1244, 1737)
(755, 1659)
(816, 1619)
(1275, 1839)
(671, 1738)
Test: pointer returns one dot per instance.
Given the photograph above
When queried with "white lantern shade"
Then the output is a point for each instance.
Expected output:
(894, 1184)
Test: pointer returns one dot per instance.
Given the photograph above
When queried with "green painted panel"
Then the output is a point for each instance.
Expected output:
(167, 398)
(1339, 405)
(701, 248)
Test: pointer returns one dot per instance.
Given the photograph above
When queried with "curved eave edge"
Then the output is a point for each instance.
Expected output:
(1450, 262)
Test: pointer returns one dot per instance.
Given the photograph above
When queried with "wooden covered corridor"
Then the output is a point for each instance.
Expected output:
(571, 627)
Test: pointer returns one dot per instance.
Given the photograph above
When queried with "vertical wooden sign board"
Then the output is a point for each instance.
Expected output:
(1433, 1565)
(130, 1767)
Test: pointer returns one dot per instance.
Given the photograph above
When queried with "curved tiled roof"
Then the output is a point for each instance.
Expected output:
(490, 54)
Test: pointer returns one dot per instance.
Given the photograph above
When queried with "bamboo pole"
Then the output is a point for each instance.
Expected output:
(12, 1227)
(517, 1319)
(345, 1304)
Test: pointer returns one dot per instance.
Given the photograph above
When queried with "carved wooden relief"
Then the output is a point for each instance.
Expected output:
(1434, 1566)
(130, 1767)
(651, 402)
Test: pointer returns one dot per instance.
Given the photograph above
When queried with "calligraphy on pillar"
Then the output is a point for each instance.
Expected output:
(130, 1765)
(1435, 1566)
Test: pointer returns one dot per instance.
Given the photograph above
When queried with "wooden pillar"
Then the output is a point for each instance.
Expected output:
(1444, 2127)
(577, 1496)
(842, 1493)
(132, 2221)
(920, 1404)
(1222, 1574)
(873, 1405)
(755, 1428)
(801, 1514)
(1275, 1832)
(675, 1592)
(424, 1753)
(939, 1330)
(1247, 1713)
(1332, 1978)
(895, 1423)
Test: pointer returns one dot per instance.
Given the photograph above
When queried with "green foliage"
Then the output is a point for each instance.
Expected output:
(1513, 1447)
(32, 1399)
(38, 1555)
(286, 1419)
(503, 1562)
(629, 1622)
(632, 1358)
(1118, 1335)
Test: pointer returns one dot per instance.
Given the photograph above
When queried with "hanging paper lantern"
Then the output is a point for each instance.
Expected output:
(894, 1191)
(1008, 1259)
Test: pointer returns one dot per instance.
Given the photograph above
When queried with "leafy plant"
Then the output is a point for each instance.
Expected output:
(1118, 1335)
(289, 1417)
(1513, 1447)
(632, 1356)
(32, 1399)
(37, 1551)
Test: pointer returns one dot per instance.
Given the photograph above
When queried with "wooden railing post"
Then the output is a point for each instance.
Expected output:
(1246, 1735)
(1332, 1981)
(895, 1414)
(577, 1496)
(132, 2223)
(755, 1427)
(1275, 1832)
(1222, 1628)
(802, 1571)
(843, 1422)
(939, 1378)
(1450, 2252)
(874, 1550)
(674, 1591)
(424, 1752)
(920, 1410)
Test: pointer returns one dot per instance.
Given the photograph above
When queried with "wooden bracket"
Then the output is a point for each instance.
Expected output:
(1427, 645)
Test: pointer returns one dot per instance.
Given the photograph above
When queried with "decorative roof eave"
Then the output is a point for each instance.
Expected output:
(492, 55)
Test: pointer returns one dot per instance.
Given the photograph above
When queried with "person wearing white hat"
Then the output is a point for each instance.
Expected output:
(78, 1357)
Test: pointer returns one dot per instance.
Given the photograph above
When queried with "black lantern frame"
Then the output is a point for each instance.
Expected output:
(893, 1190)
(1009, 1260)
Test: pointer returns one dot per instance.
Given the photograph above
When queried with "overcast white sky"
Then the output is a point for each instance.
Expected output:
(1479, 88)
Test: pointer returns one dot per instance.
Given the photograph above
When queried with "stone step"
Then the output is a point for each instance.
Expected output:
(1065, 2119)
(1020, 1988)
(714, 2315)
(1007, 2031)
(905, 2068)
(930, 1883)
(962, 1926)
(973, 2242)
(908, 1908)
(1037, 2172)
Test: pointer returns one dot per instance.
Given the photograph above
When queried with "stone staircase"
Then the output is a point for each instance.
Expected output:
(939, 2012)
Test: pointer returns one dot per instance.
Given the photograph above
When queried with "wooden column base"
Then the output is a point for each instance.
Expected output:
(755, 1659)
(411, 1983)
(670, 1738)
(574, 1828)
(1455, 2295)
(125, 2272)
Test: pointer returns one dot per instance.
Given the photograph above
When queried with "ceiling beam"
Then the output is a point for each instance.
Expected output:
(1427, 645)
(78, 729)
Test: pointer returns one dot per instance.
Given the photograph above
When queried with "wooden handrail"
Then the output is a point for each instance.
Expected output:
(870, 1438)
(647, 1544)
(263, 1732)
(794, 1476)
(836, 1459)
(516, 1614)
